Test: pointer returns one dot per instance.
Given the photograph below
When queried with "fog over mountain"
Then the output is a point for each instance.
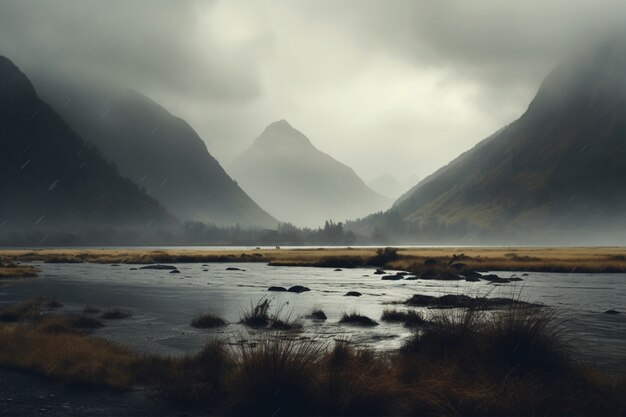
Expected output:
(555, 175)
(396, 86)
(157, 150)
(390, 186)
(286, 174)
(54, 183)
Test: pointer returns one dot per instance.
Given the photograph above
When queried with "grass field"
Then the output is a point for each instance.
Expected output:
(579, 259)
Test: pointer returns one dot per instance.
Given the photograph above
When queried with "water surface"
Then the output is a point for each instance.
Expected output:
(164, 304)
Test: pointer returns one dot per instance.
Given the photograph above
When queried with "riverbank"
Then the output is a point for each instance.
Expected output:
(514, 362)
(581, 259)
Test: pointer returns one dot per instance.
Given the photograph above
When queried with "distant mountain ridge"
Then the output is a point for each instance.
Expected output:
(157, 150)
(297, 183)
(558, 171)
(54, 182)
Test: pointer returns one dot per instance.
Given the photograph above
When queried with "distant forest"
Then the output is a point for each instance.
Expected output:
(377, 229)
(189, 233)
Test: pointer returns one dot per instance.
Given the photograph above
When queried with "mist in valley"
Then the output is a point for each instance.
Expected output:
(291, 122)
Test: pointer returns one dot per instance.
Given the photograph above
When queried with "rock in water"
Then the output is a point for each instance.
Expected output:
(298, 289)
(159, 267)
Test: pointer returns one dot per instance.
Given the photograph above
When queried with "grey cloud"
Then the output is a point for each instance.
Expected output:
(150, 44)
(359, 77)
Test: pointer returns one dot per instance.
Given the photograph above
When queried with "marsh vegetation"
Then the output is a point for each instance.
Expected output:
(510, 362)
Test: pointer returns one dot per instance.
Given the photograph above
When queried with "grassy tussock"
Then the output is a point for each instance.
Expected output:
(259, 315)
(317, 314)
(357, 320)
(207, 321)
(410, 318)
(116, 314)
(275, 376)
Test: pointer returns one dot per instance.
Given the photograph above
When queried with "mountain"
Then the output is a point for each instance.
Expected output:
(390, 186)
(557, 172)
(52, 181)
(157, 150)
(296, 182)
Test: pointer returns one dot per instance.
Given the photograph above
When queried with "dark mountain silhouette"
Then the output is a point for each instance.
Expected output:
(52, 181)
(558, 171)
(157, 150)
(296, 182)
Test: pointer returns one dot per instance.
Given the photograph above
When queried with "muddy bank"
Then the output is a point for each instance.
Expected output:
(27, 394)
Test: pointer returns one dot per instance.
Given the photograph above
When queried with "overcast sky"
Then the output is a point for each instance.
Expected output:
(393, 86)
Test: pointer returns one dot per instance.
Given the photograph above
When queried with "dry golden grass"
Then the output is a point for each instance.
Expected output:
(29, 310)
(581, 259)
(67, 355)
(12, 271)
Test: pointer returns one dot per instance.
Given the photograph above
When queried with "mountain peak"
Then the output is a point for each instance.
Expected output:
(11, 78)
(298, 183)
(281, 124)
(281, 133)
(5, 61)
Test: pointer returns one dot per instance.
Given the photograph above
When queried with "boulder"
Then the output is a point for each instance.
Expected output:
(495, 279)
(298, 289)
(233, 268)
(159, 266)
(379, 272)
(472, 279)
(352, 294)
(611, 311)
(175, 271)
(471, 275)
(277, 289)
(463, 301)
(392, 277)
